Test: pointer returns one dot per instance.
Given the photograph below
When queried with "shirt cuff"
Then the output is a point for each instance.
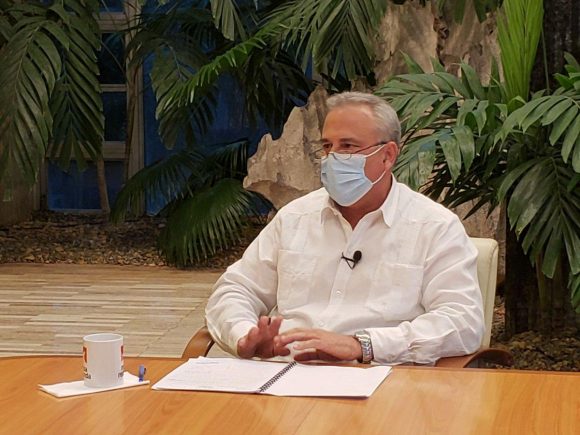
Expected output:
(390, 345)
(238, 331)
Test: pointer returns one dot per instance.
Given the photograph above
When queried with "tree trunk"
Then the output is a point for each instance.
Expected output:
(561, 35)
(521, 302)
(102, 182)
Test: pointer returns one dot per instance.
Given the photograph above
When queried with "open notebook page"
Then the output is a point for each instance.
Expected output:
(329, 381)
(220, 374)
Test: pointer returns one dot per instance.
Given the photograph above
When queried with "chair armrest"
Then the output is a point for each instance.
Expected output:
(492, 355)
(199, 345)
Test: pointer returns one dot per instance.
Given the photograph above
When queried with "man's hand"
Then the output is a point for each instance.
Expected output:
(317, 344)
(259, 341)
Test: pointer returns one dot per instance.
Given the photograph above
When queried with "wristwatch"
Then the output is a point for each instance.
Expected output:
(364, 338)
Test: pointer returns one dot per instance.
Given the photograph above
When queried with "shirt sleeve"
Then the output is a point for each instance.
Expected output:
(453, 320)
(245, 291)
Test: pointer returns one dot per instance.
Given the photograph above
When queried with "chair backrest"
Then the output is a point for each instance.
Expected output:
(487, 277)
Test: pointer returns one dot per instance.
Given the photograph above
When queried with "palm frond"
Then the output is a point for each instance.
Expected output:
(227, 19)
(167, 180)
(76, 102)
(444, 119)
(226, 161)
(31, 65)
(337, 35)
(559, 112)
(170, 73)
(542, 210)
(185, 30)
(205, 77)
(519, 30)
(206, 222)
(273, 85)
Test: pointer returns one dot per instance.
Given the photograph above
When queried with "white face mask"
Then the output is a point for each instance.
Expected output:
(345, 179)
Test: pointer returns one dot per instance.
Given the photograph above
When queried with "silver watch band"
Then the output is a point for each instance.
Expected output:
(364, 338)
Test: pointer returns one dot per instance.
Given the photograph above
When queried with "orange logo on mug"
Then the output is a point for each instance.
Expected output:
(85, 354)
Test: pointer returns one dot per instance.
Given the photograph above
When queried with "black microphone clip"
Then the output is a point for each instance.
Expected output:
(352, 262)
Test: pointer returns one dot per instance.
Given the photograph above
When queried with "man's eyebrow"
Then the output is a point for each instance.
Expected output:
(341, 140)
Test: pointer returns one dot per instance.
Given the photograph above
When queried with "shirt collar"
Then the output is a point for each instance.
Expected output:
(387, 208)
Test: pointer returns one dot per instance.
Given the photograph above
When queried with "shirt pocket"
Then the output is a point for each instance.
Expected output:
(395, 291)
(295, 270)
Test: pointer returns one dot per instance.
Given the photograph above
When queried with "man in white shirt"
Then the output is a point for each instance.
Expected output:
(361, 269)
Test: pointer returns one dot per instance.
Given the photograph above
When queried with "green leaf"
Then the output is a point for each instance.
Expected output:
(480, 115)
(452, 154)
(472, 81)
(227, 19)
(511, 177)
(519, 28)
(412, 66)
(538, 112)
(424, 103)
(465, 109)
(554, 113)
(464, 137)
(572, 137)
(562, 124)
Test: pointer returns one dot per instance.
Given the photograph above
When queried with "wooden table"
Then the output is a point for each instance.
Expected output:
(412, 400)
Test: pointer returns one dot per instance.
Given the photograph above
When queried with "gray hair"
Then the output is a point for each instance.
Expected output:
(386, 118)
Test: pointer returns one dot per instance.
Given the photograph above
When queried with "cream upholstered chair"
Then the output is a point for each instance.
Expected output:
(487, 259)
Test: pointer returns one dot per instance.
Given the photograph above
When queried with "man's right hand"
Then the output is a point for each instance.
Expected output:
(259, 341)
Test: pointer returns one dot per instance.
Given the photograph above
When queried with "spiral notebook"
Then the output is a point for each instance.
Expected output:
(278, 379)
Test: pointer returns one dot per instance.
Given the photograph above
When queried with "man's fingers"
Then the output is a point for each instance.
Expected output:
(274, 326)
(306, 356)
(281, 351)
(314, 355)
(263, 323)
(296, 335)
(307, 344)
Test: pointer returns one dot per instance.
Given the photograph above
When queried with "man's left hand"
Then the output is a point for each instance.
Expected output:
(318, 344)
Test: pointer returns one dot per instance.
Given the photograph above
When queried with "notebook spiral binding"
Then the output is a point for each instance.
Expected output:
(277, 376)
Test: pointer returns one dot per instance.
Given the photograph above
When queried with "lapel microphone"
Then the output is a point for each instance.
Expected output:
(352, 262)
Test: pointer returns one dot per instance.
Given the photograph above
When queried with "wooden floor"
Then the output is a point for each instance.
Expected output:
(48, 308)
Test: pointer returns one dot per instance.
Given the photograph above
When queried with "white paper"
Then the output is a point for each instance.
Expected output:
(219, 374)
(329, 381)
(78, 388)
(247, 376)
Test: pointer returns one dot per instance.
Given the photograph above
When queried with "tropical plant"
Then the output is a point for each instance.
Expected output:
(189, 182)
(49, 90)
(543, 182)
(470, 141)
(49, 81)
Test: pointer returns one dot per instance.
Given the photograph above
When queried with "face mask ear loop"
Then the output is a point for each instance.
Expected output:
(379, 179)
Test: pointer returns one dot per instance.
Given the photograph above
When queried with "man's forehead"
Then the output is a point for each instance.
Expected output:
(341, 139)
(350, 123)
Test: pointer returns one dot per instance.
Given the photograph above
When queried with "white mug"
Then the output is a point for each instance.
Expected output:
(103, 362)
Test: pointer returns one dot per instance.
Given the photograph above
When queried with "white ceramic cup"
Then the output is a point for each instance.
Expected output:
(103, 363)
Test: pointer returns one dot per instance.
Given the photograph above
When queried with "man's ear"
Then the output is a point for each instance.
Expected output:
(391, 154)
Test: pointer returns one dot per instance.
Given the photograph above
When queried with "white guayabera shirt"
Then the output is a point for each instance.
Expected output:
(414, 289)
